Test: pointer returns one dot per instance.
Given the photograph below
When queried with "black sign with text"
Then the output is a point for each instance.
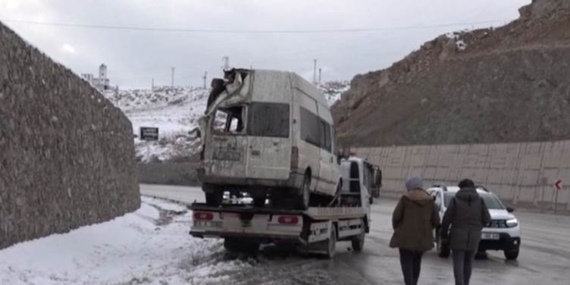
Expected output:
(148, 134)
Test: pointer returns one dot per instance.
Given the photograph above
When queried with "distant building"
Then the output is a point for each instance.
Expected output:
(101, 82)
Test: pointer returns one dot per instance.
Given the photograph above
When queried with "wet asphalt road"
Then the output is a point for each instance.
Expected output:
(544, 257)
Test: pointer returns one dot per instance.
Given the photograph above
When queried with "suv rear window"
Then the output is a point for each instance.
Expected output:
(268, 120)
(491, 201)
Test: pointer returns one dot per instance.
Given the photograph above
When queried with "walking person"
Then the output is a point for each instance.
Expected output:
(467, 214)
(413, 221)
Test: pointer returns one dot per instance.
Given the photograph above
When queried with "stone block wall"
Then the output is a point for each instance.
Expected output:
(520, 173)
(66, 153)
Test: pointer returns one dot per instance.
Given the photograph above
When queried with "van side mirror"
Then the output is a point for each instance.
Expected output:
(377, 177)
(510, 209)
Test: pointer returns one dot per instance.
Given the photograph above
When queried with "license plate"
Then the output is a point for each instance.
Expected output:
(204, 224)
(492, 236)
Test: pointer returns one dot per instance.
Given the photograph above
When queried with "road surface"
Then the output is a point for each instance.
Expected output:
(544, 258)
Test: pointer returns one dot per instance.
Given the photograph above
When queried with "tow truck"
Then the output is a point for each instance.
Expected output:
(245, 227)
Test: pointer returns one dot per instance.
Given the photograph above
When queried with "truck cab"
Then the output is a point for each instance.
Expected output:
(360, 175)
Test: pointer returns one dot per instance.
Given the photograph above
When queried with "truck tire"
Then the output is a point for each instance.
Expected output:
(358, 241)
(331, 245)
(236, 245)
(304, 193)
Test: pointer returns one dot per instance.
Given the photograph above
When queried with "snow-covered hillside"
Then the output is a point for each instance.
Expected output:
(175, 113)
(334, 89)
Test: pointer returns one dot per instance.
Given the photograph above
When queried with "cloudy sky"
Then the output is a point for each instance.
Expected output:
(142, 39)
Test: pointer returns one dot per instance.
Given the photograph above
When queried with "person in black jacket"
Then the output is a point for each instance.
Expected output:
(467, 214)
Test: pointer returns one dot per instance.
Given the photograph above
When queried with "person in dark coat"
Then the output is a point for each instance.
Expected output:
(467, 214)
(413, 221)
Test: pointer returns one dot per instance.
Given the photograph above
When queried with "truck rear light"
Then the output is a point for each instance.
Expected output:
(288, 220)
(294, 157)
(203, 216)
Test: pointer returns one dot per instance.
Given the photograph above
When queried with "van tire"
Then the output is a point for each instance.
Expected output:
(259, 202)
(304, 195)
(214, 195)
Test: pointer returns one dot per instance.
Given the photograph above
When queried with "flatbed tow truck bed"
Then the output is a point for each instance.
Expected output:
(316, 229)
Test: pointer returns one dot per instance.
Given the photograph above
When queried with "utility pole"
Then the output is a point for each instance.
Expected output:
(205, 80)
(172, 78)
(152, 85)
(320, 73)
(315, 72)
(226, 61)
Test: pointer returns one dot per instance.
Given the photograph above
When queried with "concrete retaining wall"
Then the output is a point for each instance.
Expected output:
(520, 173)
(67, 157)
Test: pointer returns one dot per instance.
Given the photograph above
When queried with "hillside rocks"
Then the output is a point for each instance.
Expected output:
(66, 153)
(485, 86)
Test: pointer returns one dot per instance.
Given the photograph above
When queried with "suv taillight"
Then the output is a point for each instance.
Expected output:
(294, 157)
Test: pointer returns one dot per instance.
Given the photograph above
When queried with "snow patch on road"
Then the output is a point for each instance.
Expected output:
(132, 249)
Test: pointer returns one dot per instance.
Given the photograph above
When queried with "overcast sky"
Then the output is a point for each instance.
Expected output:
(134, 57)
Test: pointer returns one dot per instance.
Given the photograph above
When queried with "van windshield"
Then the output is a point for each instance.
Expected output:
(268, 120)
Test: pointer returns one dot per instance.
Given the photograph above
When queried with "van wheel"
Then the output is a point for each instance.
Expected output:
(258, 202)
(305, 193)
(442, 248)
(214, 195)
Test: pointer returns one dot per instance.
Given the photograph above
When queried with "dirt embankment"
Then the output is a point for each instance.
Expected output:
(508, 84)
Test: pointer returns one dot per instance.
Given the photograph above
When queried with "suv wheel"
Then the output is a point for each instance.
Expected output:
(512, 255)
(442, 248)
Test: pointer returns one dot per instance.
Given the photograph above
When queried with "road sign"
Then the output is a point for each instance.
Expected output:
(148, 134)
(558, 184)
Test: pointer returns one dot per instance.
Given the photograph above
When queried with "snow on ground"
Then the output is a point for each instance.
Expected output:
(175, 113)
(149, 246)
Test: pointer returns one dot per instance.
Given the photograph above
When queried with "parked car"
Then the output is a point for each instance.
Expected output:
(503, 233)
(270, 134)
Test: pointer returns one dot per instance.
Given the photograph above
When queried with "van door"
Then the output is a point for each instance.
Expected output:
(226, 154)
(269, 135)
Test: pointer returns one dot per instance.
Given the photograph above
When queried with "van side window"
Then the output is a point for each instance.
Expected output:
(310, 129)
(325, 135)
(229, 120)
(268, 120)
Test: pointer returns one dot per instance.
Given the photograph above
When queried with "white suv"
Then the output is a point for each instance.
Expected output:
(503, 233)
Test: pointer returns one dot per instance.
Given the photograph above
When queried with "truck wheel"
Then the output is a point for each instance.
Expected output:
(305, 193)
(358, 241)
(331, 246)
(512, 255)
(235, 245)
